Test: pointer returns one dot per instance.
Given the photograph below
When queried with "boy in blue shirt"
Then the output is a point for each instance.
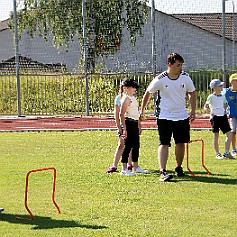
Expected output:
(231, 98)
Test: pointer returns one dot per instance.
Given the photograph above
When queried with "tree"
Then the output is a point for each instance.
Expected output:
(105, 21)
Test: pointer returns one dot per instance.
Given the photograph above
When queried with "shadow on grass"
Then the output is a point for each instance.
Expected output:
(213, 178)
(42, 222)
(201, 177)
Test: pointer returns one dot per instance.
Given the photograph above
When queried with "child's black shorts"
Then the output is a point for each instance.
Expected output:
(220, 123)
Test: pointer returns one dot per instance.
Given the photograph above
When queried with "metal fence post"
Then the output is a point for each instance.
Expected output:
(153, 33)
(153, 20)
(17, 60)
(85, 55)
(233, 34)
(223, 43)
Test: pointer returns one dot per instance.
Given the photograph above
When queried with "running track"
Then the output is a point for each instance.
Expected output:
(34, 123)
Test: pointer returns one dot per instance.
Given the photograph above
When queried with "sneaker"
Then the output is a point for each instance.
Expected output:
(111, 169)
(140, 170)
(1, 209)
(179, 172)
(219, 156)
(127, 173)
(130, 167)
(234, 152)
(164, 176)
(227, 155)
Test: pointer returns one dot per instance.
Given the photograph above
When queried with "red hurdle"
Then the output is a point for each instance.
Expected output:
(26, 190)
(187, 152)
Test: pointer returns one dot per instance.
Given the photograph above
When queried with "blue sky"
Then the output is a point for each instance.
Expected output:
(5, 7)
(168, 6)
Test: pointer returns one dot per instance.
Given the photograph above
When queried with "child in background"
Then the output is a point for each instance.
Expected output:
(231, 98)
(119, 149)
(216, 104)
(129, 118)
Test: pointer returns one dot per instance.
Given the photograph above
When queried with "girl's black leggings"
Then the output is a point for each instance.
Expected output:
(132, 142)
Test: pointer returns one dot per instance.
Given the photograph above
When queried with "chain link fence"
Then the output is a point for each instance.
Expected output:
(65, 94)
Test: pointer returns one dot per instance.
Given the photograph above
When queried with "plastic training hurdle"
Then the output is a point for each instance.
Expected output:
(203, 160)
(27, 186)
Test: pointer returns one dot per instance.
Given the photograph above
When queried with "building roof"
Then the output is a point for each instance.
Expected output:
(213, 22)
(26, 64)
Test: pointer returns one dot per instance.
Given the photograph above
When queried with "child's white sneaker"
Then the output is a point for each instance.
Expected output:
(140, 170)
(126, 172)
(219, 156)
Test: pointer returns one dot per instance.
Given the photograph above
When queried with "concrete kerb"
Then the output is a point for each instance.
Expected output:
(84, 129)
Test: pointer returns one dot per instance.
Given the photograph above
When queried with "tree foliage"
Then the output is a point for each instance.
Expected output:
(105, 21)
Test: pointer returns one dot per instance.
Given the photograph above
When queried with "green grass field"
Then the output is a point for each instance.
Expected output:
(94, 203)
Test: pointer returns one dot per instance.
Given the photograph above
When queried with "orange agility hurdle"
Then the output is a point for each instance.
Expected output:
(187, 153)
(26, 190)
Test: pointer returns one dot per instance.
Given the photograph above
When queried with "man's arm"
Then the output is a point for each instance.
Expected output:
(145, 100)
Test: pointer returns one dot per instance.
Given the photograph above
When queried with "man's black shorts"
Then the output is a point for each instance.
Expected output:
(180, 130)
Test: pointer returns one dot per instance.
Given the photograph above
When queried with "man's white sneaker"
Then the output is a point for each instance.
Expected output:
(140, 170)
(227, 155)
(127, 173)
(1, 209)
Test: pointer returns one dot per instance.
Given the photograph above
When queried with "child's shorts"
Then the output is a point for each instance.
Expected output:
(220, 123)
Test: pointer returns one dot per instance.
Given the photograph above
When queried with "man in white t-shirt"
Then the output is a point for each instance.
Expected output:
(173, 85)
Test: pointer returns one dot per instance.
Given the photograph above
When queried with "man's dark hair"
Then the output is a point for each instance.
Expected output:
(171, 58)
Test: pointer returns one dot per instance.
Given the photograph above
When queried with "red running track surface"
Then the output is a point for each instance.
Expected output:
(79, 123)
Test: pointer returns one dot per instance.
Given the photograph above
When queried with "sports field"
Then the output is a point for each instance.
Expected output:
(94, 203)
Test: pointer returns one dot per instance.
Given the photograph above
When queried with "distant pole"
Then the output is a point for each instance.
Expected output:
(85, 55)
(17, 60)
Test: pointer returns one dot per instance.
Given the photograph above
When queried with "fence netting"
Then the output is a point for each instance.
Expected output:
(59, 42)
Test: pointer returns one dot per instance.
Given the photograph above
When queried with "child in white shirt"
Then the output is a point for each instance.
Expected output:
(216, 106)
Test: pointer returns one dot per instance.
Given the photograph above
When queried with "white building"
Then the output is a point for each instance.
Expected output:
(200, 44)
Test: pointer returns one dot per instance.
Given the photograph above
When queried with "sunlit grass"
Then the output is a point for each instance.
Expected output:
(94, 203)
